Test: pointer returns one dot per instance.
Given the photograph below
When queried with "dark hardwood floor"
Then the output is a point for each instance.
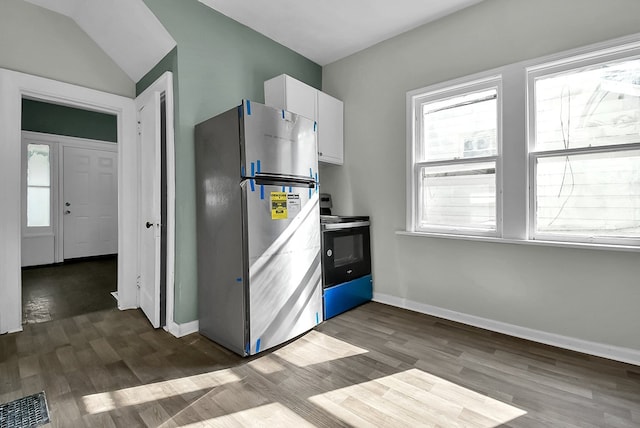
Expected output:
(374, 366)
(65, 290)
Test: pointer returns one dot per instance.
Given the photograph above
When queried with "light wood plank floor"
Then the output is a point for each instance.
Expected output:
(374, 366)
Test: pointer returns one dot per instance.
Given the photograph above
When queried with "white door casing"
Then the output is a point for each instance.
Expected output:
(13, 87)
(89, 202)
(149, 191)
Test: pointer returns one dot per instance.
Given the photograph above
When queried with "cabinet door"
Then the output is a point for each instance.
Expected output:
(300, 98)
(330, 129)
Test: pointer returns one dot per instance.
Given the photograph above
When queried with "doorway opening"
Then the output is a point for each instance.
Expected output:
(16, 86)
(69, 211)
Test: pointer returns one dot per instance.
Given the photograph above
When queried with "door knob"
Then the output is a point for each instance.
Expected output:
(67, 212)
(149, 225)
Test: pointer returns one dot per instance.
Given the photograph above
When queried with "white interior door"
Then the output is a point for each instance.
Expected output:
(90, 202)
(150, 214)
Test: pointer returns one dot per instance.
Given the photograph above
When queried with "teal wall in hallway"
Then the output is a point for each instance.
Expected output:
(49, 118)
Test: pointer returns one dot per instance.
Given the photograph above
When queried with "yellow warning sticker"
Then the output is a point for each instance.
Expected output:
(278, 206)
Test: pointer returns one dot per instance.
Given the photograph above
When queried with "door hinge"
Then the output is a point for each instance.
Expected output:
(139, 128)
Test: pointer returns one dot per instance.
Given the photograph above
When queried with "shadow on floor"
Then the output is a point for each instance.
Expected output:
(65, 290)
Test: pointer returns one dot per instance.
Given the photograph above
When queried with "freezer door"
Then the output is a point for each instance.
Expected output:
(277, 143)
(285, 291)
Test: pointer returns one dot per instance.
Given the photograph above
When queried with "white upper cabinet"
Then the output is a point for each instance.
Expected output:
(329, 113)
(290, 94)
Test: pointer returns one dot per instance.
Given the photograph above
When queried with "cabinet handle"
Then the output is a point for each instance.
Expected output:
(320, 153)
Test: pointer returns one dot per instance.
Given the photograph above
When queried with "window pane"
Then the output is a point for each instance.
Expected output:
(38, 165)
(462, 196)
(592, 107)
(589, 195)
(460, 127)
(38, 209)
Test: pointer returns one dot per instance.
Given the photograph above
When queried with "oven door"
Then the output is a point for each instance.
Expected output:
(346, 254)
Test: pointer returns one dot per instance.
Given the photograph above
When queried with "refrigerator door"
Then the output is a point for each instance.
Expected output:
(277, 143)
(283, 238)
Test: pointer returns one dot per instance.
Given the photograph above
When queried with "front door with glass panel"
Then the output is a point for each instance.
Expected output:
(38, 236)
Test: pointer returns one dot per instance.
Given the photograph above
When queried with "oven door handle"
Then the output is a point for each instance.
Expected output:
(338, 226)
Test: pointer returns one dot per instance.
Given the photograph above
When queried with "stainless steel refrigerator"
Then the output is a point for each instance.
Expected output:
(258, 233)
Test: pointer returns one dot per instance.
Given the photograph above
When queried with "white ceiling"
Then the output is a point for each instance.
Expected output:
(125, 29)
(327, 30)
(322, 30)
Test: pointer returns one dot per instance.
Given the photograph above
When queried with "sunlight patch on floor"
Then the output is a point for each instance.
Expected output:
(106, 401)
(414, 397)
(266, 365)
(316, 348)
(268, 415)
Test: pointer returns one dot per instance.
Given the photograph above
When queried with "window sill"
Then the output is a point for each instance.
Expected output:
(562, 244)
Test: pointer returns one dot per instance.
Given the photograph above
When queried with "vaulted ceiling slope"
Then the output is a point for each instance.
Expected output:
(327, 30)
(322, 31)
(125, 29)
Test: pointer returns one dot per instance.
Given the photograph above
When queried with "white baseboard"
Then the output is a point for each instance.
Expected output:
(179, 330)
(625, 355)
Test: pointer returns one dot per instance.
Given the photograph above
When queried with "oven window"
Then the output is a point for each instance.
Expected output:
(347, 250)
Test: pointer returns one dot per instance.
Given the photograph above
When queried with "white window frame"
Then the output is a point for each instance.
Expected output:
(517, 200)
(33, 231)
(443, 91)
(550, 69)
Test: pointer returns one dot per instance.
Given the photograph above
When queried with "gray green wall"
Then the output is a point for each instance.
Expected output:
(220, 62)
(61, 120)
(38, 41)
(586, 294)
(168, 63)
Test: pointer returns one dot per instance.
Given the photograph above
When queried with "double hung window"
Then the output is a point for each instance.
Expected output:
(585, 151)
(568, 170)
(456, 149)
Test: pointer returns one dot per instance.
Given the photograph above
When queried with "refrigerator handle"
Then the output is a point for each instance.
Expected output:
(264, 179)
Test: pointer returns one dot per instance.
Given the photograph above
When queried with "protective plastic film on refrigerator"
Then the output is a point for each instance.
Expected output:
(259, 276)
